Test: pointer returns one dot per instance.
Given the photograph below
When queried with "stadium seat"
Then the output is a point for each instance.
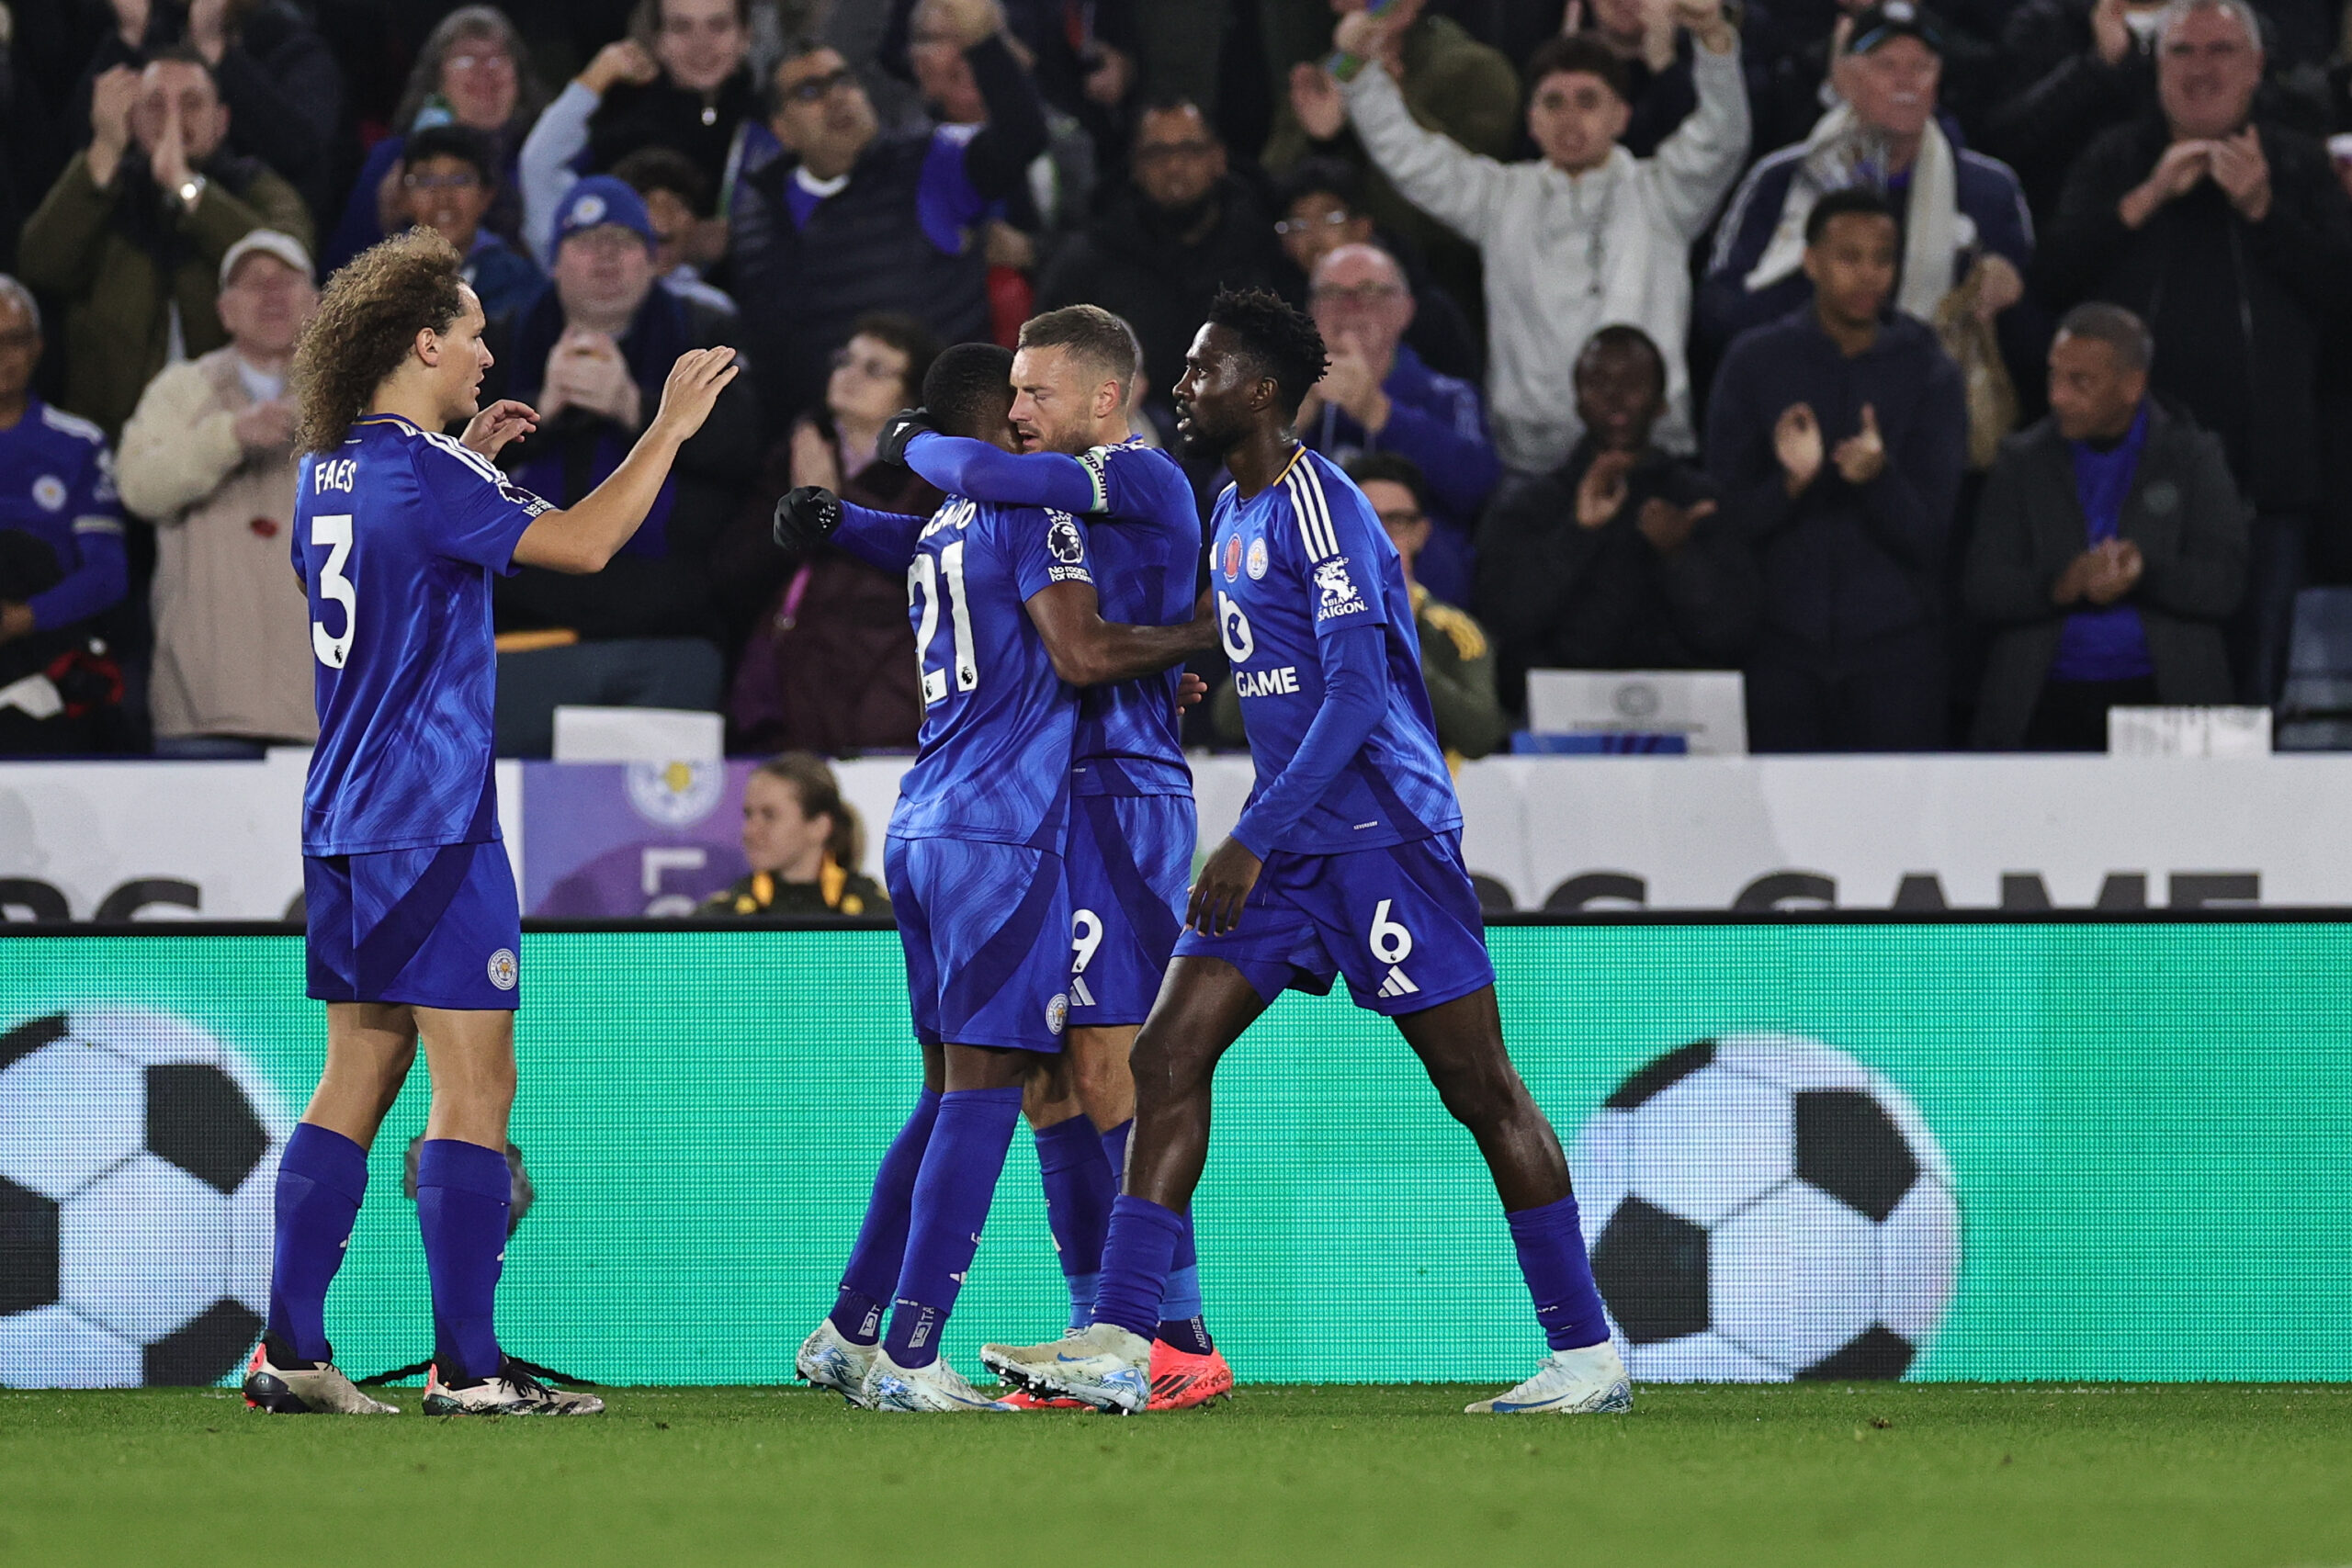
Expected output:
(2315, 710)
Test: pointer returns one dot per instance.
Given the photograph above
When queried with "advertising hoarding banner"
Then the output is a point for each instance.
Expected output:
(1979, 1151)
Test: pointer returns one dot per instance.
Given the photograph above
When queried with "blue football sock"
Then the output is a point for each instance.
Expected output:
(874, 1260)
(1144, 1238)
(1078, 1205)
(461, 1195)
(322, 1177)
(951, 1208)
(1559, 1275)
(1181, 1321)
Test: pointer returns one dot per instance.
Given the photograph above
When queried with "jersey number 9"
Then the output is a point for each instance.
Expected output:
(335, 534)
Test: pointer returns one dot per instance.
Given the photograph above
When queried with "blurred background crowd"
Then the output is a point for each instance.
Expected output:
(1956, 374)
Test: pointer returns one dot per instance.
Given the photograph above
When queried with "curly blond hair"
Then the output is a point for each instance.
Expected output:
(368, 319)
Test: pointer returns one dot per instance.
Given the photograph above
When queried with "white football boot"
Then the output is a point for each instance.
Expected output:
(935, 1390)
(304, 1391)
(1591, 1381)
(513, 1392)
(827, 1360)
(1105, 1366)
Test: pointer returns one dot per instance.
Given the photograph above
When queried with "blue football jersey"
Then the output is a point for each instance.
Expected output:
(998, 723)
(57, 489)
(1304, 557)
(395, 535)
(1147, 557)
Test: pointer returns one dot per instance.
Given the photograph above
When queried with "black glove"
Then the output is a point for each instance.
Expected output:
(806, 518)
(899, 429)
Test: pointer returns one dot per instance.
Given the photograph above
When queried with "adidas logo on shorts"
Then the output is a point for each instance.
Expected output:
(1397, 985)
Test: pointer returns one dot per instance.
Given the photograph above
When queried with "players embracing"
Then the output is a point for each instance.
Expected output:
(1009, 627)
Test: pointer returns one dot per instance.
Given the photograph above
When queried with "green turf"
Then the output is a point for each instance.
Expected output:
(1905, 1476)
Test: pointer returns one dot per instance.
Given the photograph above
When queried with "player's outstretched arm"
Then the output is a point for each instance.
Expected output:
(1088, 650)
(812, 516)
(583, 537)
(963, 467)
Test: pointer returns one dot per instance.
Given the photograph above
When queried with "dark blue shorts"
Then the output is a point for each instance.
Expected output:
(986, 928)
(1402, 923)
(1129, 862)
(437, 928)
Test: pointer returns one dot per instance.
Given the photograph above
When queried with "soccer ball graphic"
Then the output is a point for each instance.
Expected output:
(138, 1164)
(1763, 1207)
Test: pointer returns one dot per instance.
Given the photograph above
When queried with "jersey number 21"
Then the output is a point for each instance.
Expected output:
(923, 584)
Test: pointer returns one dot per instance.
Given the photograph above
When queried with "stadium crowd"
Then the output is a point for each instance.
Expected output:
(1956, 374)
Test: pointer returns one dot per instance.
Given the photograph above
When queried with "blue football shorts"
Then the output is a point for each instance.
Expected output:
(1129, 860)
(986, 928)
(439, 927)
(1401, 922)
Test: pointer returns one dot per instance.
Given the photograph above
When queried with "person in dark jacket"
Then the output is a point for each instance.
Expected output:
(1836, 440)
(2077, 68)
(850, 221)
(591, 355)
(2230, 237)
(1322, 210)
(2109, 547)
(1619, 559)
(1377, 395)
(1184, 229)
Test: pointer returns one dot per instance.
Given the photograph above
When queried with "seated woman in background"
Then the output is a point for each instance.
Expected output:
(804, 842)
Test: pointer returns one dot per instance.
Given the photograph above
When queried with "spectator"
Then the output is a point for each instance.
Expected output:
(680, 79)
(449, 179)
(1835, 439)
(473, 71)
(2077, 69)
(1182, 228)
(1040, 213)
(687, 237)
(828, 664)
(2230, 236)
(62, 560)
(1377, 395)
(1457, 661)
(1083, 58)
(133, 234)
(849, 219)
(1657, 57)
(592, 355)
(208, 459)
(1451, 84)
(1963, 217)
(804, 843)
(2109, 548)
(1320, 212)
(1619, 559)
(1586, 235)
(269, 66)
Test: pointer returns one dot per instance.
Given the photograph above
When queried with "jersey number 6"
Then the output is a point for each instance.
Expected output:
(335, 534)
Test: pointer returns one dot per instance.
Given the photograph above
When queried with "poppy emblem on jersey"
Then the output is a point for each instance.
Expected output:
(1057, 1014)
(1063, 539)
(1233, 557)
(1257, 560)
(504, 970)
(49, 492)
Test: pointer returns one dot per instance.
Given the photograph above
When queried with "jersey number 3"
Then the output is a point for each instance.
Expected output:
(335, 534)
(922, 582)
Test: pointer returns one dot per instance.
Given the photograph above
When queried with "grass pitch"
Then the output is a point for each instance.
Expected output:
(1905, 1475)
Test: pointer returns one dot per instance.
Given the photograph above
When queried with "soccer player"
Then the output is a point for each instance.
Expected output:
(1006, 621)
(413, 922)
(1347, 861)
(1130, 853)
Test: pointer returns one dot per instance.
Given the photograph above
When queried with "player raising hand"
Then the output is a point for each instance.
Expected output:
(413, 920)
